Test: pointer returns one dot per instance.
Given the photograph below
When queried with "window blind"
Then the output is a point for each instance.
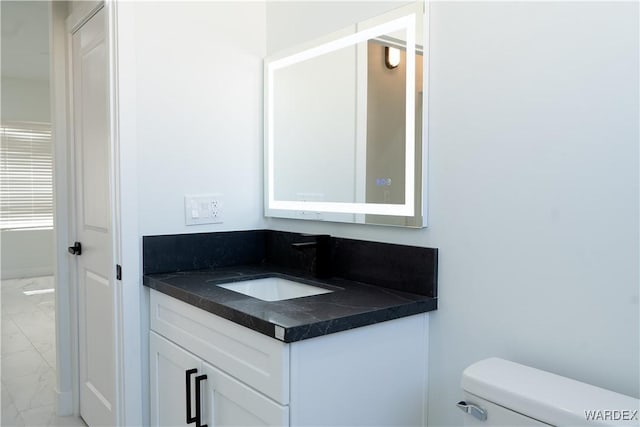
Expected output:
(26, 175)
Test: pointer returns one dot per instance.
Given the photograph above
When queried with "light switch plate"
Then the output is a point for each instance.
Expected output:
(203, 209)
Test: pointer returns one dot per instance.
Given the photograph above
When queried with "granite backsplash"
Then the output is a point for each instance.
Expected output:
(405, 268)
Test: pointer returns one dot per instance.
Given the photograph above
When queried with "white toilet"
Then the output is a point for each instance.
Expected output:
(498, 392)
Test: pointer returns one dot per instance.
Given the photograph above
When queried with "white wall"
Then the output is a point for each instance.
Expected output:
(25, 99)
(533, 192)
(199, 111)
(190, 122)
(26, 253)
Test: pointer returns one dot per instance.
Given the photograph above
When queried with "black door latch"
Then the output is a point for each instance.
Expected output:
(76, 249)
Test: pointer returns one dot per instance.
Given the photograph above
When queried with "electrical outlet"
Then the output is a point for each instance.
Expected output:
(215, 209)
(203, 209)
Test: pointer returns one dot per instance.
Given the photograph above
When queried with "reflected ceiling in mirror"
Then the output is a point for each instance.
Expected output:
(343, 125)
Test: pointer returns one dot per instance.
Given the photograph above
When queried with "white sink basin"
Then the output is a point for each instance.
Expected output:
(274, 289)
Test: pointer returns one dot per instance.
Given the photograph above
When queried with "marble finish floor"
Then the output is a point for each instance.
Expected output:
(28, 359)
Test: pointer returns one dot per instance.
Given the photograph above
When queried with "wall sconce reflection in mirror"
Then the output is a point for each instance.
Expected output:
(391, 57)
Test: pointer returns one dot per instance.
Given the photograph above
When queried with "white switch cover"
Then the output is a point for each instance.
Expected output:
(203, 209)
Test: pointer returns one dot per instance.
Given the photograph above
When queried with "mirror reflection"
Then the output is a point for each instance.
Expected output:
(344, 126)
(386, 144)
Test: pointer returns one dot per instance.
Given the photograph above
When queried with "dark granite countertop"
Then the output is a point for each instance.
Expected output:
(351, 305)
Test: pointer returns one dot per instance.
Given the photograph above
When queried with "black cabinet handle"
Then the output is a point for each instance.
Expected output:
(76, 249)
(188, 374)
(199, 379)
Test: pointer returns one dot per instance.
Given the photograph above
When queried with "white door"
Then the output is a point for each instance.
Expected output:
(228, 402)
(170, 369)
(93, 223)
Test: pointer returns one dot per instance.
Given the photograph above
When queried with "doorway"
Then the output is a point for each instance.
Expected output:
(27, 286)
(78, 220)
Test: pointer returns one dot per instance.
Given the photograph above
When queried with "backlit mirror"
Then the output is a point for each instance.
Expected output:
(344, 124)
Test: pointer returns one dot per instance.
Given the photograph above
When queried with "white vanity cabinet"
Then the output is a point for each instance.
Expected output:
(372, 375)
(224, 401)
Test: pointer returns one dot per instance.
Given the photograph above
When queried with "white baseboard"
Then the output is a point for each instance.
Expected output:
(65, 403)
(21, 273)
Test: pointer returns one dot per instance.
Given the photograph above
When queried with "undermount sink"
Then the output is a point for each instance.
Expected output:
(274, 289)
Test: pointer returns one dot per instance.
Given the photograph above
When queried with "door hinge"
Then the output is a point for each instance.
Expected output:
(118, 272)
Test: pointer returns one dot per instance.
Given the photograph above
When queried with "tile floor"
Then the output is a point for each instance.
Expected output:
(28, 359)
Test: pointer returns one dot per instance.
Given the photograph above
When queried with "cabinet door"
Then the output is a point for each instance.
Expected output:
(228, 402)
(169, 365)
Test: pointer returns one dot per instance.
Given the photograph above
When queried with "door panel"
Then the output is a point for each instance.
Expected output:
(228, 402)
(95, 170)
(94, 267)
(168, 365)
(99, 376)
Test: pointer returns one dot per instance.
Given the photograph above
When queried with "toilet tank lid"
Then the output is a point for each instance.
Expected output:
(547, 397)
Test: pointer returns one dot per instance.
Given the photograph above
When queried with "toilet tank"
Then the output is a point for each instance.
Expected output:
(498, 392)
